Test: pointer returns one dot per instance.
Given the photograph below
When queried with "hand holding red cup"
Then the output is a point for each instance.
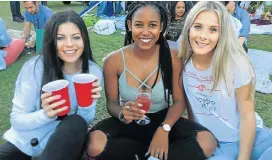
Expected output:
(87, 89)
(56, 99)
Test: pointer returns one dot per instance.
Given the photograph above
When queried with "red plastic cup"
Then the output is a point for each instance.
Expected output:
(59, 87)
(83, 85)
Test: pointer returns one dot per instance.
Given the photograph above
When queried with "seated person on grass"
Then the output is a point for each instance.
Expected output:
(142, 74)
(36, 126)
(35, 14)
(10, 49)
(219, 82)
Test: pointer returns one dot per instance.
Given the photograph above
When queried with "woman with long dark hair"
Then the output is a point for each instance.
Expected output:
(36, 129)
(146, 63)
(178, 12)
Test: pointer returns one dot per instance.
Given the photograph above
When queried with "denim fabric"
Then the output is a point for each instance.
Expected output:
(15, 8)
(262, 148)
(127, 140)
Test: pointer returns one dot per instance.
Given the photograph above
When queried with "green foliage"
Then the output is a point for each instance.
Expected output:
(90, 20)
(267, 8)
(256, 4)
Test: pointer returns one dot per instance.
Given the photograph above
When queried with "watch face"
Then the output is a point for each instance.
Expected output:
(166, 127)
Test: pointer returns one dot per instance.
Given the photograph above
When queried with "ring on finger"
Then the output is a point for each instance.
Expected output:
(128, 108)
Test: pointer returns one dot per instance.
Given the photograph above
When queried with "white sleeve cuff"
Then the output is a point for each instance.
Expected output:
(43, 117)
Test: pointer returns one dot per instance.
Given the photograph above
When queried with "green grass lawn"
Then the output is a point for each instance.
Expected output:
(101, 46)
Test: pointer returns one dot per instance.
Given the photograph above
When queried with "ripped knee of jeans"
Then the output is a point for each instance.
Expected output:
(207, 142)
(97, 143)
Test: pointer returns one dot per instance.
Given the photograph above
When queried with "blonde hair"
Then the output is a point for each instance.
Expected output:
(228, 53)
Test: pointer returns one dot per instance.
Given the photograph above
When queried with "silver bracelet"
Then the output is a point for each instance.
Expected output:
(121, 117)
(120, 114)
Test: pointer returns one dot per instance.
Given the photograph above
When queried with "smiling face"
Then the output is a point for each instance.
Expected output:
(145, 27)
(204, 33)
(180, 9)
(70, 44)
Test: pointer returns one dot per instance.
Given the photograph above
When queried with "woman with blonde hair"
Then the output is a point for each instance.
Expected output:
(219, 82)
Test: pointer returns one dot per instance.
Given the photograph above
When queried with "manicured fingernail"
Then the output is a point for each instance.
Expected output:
(140, 105)
(65, 107)
(63, 101)
(143, 111)
(58, 96)
(94, 84)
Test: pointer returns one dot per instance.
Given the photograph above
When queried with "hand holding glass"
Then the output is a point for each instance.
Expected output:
(144, 98)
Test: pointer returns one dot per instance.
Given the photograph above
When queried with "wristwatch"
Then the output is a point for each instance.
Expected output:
(166, 127)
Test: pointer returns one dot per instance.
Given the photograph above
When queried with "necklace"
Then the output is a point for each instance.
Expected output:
(143, 66)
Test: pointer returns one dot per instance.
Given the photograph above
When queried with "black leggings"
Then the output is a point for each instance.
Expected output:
(9, 152)
(127, 140)
(66, 143)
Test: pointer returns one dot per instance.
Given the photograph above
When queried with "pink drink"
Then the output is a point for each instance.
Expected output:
(144, 100)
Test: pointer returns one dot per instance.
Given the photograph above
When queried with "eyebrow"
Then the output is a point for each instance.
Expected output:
(149, 22)
(210, 26)
(64, 35)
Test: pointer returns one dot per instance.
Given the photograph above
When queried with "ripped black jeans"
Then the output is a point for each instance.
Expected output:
(127, 140)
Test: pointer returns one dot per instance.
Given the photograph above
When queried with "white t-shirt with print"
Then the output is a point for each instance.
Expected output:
(215, 110)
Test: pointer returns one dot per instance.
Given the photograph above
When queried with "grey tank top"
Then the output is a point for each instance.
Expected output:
(128, 93)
